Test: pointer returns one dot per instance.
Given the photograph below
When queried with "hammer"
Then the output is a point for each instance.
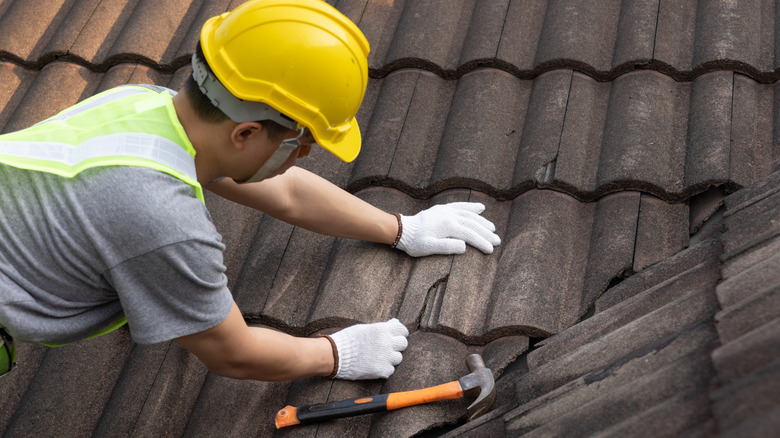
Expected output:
(479, 383)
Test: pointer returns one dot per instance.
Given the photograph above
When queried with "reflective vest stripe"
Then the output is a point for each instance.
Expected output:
(95, 133)
(97, 100)
(113, 149)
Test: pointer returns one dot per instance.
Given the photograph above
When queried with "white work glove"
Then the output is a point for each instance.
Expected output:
(446, 229)
(370, 351)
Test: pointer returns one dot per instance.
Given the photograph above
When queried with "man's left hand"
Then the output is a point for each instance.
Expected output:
(446, 229)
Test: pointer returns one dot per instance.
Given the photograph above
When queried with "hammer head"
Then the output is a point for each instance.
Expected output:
(480, 384)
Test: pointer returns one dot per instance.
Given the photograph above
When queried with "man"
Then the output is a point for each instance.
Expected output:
(103, 214)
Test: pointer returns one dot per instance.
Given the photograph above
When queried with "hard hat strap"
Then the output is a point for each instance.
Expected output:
(274, 162)
(238, 110)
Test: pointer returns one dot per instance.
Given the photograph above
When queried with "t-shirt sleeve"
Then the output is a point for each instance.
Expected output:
(176, 290)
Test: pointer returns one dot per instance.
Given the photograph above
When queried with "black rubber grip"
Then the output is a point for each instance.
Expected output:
(341, 409)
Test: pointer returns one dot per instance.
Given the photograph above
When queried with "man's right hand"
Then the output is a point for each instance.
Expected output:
(370, 351)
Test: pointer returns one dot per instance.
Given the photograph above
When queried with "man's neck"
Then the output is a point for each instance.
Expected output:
(204, 137)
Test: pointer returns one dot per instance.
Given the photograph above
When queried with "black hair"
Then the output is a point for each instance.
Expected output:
(208, 113)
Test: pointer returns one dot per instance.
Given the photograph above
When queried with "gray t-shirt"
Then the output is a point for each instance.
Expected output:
(77, 253)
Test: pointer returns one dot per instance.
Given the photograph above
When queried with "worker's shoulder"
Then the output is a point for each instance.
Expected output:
(131, 196)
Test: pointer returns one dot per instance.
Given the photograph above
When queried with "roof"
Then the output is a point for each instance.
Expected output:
(626, 151)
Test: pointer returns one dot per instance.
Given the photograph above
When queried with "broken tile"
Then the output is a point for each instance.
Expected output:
(541, 133)
(662, 231)
(612, 244)
(579, 154)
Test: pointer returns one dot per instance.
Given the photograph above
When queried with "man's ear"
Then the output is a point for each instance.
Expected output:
(244, 132)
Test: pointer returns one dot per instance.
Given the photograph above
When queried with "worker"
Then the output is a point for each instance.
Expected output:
(103, 215)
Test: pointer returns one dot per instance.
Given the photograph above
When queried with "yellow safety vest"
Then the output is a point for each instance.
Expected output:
(134, 125)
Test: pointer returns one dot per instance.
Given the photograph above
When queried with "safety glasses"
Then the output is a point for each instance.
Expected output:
(296, 142)
(281, 155)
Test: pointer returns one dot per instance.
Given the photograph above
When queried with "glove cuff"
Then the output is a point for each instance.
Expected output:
(335, 356)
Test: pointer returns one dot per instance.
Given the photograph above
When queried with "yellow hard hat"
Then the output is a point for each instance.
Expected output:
(303, 58)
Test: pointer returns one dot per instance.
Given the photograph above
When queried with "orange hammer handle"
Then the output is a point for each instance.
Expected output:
(447, 391)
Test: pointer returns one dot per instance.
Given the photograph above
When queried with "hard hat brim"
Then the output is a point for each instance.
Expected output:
(348, 146)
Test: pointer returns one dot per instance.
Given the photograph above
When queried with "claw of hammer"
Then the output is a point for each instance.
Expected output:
(479, 384)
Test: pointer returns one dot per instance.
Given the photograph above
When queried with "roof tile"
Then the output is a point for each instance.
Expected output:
(748, 353)
(231, 407)
(759, 277)
(585, 32)
(27, 26)
(520, 40)
(360, 272)
(662, 231)
(657, 372)
(483, 39)
(424, 25)
(15, 82)
(675, 37)
(747, 397)
(659, 273)
(461, 305)
(154, 31)
(637, 31)
(48, 401)
(758, 309)
(582, 136)
(709, 130)
(89, 28)
(541, 265)
(237, 225)
(253, 291)
(658, 327)
(139, 373)
(378, 22)
(700, 279)
(752, 135)
(174, 390)
(56, 87)
(643, 128)
(736, 31)
(14, 385)
(479, 144)
(544, 116)
(762, 424)
(404, 132)
(612, 243)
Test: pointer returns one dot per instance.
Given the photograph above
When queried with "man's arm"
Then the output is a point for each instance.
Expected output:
(233, 349)
(304, 199)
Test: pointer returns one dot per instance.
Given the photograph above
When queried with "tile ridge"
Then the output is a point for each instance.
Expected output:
(741, 67)
(522, 187)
